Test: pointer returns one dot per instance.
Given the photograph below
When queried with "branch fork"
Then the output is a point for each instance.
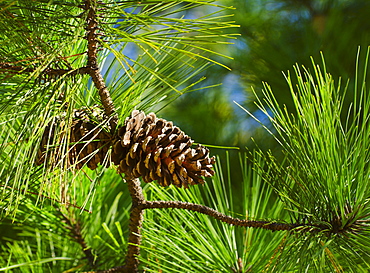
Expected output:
(139, 204)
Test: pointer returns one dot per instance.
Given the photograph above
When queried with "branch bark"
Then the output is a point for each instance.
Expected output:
(74, 226)
(139, 204)
(92, 62)
(135, 224)
(47, 72)
(270, 225)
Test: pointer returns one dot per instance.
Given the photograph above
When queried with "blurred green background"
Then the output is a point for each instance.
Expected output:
(274, 35)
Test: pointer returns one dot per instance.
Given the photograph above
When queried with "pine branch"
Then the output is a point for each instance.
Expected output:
(329, 227)
(74, 226)
(47, 72)
(273, 226)
(136, 221)
(92, 62)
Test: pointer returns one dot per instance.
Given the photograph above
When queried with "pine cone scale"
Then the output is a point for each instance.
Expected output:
(157, 150)
(87, 141)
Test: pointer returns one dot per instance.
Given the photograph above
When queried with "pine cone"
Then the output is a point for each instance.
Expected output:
(89, 140)
(156, 150)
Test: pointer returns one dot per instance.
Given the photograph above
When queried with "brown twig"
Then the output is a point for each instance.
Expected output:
(139, 204)
(135, 224)
(92, 61)
(75, 228)
(270, 225)
(46, 72)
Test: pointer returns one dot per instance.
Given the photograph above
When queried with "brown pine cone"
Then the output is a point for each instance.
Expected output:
(156, 150)
(89, 140)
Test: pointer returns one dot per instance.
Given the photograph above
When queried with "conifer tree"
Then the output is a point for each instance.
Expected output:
(93, 181)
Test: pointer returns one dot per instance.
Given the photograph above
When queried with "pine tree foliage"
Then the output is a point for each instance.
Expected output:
(60, 238)
(184, 242)
(324, 180)
(64, 217)
(148, 52)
